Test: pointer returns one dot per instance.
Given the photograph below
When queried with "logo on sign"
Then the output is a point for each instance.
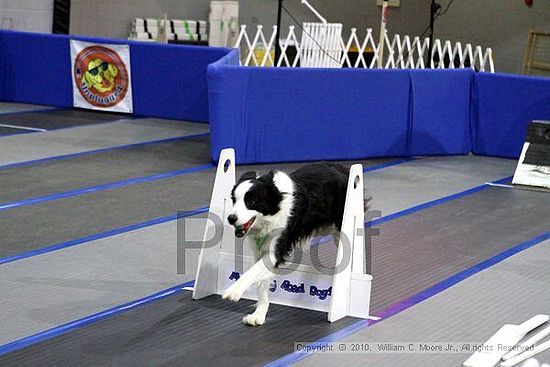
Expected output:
(101, 76)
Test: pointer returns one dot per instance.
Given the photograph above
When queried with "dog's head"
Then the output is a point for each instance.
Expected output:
(254, 198)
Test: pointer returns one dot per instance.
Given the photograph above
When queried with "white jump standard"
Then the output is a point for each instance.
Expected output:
(344, 292)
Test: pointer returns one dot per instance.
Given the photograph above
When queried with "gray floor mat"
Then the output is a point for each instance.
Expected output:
(11, 107)
(57, 176)
(31, 227)
(470, 312)
(178, 331)
(57, 118)
(440, 241)
(412, 253)
(28, 147)
(12, 131)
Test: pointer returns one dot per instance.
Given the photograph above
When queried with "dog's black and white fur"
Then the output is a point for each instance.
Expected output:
(282, 211)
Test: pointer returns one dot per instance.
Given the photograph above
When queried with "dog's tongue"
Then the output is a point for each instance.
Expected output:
(241, 230)
(248, 224)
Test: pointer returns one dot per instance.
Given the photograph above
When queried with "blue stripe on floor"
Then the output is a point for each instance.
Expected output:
(107, 186)
(291, 358)
(412, 301)
(97, 236)
(59, 330)
(89, 152)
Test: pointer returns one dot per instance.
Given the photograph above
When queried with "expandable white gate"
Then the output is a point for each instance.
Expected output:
(344, 293)
(322, 45)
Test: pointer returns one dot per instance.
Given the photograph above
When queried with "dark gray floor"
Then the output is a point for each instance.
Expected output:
(178, 331)
(59, 118)
(35, 226)
(12, 131)
(509, 292)
(57, 176)
(411, 254)
(418, 250)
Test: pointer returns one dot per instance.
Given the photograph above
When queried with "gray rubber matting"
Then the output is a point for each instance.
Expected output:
(11, 107)
(57, 176)
(79, 281)
(60, 118)
(412, 253)
(28, 147)
(178, 331)
(470, 312)
(12, 131)
(35, 226)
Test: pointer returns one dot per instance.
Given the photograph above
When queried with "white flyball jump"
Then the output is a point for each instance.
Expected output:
(341, 293)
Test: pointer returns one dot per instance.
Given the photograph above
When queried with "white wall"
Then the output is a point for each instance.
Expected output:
(500, 24)
(27, 15)
(112, 18)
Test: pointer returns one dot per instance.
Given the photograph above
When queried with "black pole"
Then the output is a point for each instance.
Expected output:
(434, 8)
(277, 34)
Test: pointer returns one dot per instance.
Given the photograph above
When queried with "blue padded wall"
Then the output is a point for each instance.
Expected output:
(440, 112)
(287, 114)
(35, 68)
(168, 81)
(503, 105)
(274, 115)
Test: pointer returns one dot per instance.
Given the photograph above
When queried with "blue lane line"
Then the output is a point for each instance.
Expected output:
(388, 164)
(422, 206)
(89, 152)
(291, 358)
(116, 231)
(107, 186)
(413, 300)
(97, 236)
(432, 203)
(62, 329)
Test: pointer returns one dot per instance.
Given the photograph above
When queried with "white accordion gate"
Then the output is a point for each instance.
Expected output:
(322, 45)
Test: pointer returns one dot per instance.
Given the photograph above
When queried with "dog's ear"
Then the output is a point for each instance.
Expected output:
(250, 175)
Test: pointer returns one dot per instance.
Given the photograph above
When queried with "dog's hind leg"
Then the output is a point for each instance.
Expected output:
(257, 318)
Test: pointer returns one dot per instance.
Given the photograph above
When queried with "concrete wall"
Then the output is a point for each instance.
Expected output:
(112, 18)
(500, 24)
(411, 18)
(27, 15)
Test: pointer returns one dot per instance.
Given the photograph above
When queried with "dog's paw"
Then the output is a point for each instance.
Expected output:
(254, 319)
(233, 293)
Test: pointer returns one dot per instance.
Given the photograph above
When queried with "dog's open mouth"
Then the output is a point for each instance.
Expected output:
(241, 230)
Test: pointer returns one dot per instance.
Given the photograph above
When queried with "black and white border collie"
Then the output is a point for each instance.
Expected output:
(280, 212)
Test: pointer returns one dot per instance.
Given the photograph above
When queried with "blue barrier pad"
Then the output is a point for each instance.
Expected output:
(440, 112)
(35, 68)
(503, 105)
(168, 81)
(285, 114)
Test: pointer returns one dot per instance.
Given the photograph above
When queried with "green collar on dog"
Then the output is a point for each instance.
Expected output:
(260, 242)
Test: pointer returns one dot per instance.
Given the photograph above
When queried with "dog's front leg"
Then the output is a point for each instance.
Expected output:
(257, 318)
(261, 271)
